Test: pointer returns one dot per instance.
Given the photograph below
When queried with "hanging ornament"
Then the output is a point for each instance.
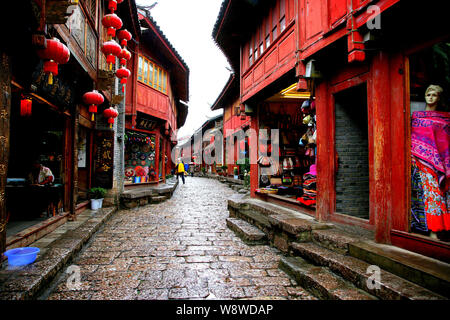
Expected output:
(110, 114)
(124, 56)
(93, 99)
(123, 73)
(111, 49)
(55, 53)
(124, 36)
(112, 5)
(25, 106)
(112, 23)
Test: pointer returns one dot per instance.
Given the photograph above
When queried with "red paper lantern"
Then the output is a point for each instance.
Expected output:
(112, 5)
(93, 99)
(55, 53)
(112, 23)
(123, 73)
(124, 36)
(25, 107)
(124, 56)
(111, 49)
(110, 113)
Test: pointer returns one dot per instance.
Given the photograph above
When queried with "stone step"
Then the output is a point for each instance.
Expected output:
(247, 232)
(390, 287)
(254, 217)
(320, 281)
(424, 271)
(158, 199)
(334, 239)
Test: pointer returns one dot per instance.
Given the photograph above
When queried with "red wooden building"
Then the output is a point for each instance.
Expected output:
(155, 105)
(358, 69)
(234, 119)
(45, 119)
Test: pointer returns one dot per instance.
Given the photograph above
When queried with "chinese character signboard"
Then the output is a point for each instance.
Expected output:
(104, 159)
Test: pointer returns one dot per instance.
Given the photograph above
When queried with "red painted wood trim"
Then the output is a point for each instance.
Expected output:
(350, 220)
(400, 142)
(381, 188)
(421, 244)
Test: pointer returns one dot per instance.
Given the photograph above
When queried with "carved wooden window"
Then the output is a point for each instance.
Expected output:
(152, 75)
(83, 34)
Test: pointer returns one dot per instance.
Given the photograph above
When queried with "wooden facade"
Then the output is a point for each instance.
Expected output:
(342, 40)
(57, 109)
(158, 82)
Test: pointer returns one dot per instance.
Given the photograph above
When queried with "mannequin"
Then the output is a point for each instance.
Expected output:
(433, 97)
(430, 146)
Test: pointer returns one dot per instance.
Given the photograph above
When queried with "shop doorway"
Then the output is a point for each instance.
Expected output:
(352, 148)
(36, 137)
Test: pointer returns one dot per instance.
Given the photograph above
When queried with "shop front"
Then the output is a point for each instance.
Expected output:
(40, 173)
(287, 149)
(383, 151)
(141, 158)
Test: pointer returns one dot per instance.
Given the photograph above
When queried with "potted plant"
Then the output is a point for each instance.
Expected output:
(97, 195)
(236, 172)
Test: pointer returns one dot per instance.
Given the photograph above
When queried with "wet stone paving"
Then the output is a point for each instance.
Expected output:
(177, 249)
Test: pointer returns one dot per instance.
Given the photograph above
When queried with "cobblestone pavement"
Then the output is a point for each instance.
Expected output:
(178, 249)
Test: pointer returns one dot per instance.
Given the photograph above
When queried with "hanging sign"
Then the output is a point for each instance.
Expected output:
(104, 159)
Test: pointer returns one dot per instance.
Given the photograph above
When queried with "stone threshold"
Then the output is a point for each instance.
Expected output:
(39, 230)
(57, 249)
(136, 197)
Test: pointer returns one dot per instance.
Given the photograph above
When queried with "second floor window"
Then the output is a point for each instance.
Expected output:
(152, 74)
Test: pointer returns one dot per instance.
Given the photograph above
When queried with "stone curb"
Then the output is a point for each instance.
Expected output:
(25, 282)
(141, 197)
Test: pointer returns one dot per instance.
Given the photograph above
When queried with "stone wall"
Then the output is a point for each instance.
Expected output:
(352, 178)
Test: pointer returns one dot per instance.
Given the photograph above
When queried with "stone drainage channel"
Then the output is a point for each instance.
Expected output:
(178, 249)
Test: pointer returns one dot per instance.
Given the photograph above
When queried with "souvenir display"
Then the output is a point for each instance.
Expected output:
(140, 150)
(294, 175)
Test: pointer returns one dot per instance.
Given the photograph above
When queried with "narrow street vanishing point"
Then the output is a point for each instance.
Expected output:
(178, 249)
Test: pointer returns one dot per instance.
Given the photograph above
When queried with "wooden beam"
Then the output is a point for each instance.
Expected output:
(5, 113)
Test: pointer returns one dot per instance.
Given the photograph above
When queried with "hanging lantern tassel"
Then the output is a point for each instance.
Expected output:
(110, 114)
(111, 49)
(112, 5)
(124, 36)
(55, 53)
(93, 99)
(124, 56)
(123, 74)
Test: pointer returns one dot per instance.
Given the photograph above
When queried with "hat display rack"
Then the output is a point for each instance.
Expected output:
(296, 171)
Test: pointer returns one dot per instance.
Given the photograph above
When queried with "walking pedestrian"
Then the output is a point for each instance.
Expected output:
(186, 168)
(180, 170)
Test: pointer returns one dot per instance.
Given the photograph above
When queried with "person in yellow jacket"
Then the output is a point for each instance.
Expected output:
(180, 170)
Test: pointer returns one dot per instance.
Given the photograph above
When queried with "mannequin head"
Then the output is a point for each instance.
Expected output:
(432, 97)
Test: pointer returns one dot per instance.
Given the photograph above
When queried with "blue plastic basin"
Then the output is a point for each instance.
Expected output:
(22, 256)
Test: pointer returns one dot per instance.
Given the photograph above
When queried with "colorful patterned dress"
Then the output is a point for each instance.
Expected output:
(430, 149)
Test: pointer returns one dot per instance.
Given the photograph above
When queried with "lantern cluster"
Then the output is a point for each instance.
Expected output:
(54, 54)
(111, 49)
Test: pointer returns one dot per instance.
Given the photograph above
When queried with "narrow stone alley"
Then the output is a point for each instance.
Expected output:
(177, 249)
